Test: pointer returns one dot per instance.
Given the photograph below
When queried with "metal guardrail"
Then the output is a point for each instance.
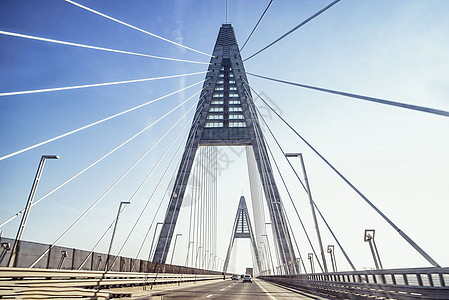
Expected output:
(416, 283)
(25, 283)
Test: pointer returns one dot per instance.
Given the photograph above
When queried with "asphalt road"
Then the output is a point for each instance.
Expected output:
(258, 290)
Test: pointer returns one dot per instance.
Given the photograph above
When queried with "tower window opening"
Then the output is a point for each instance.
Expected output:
(213, 124)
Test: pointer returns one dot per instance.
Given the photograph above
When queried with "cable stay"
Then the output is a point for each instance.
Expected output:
(140, 187)
(305, 189)
(96, 123)
(296, 27)
(203, 215)
(160, 202)
(99, 241)
(206, 217)
(83, 170)
(274, 202)
(288, 191)
(377, 100)
(134, 27)
(267, 168)
(96, 84)
(157, 186)
(113, 221)
(294, 206)
(105, 193)
(163, 175)
(31, 37)
(258, 22)
(314, 204)
(401, 233)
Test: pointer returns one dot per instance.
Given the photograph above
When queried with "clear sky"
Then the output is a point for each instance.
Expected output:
(396, 50)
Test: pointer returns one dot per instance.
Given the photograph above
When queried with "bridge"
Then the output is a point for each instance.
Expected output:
(306, 146)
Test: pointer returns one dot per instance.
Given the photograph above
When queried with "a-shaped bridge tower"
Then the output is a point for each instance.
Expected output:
(226, 116)
(242, 229)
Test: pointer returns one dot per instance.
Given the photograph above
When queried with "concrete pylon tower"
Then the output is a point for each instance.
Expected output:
(242, 230)
(226, 116)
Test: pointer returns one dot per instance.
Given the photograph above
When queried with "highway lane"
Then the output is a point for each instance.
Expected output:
(232, 290)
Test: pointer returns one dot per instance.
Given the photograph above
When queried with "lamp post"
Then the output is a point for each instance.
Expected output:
(188, 252)
(174, 246)
(310, 257)
(369, 237)
(331, 251)
(269, 253)
(261, 259)
(26, 211)
(309, 193)
(276, 252)
(106, 266)
(152, 242)
(264, 256)
(197, 252)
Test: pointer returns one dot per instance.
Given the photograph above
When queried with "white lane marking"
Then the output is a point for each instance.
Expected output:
(222, 289)
(209, 295)
(229, 285)
(265, 291)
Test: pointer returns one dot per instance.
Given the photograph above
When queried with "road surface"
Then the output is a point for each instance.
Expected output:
(233, 290)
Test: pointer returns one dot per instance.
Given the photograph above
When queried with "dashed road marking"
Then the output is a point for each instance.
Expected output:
(208, 296)
(222, 289)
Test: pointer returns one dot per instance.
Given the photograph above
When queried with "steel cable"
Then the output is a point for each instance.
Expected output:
(134, 27)
(94, 85)
(99, 199)
(393, 225)
(296, 27)
(258, 22)
(32, 37)
(366, 98)
(97, 122)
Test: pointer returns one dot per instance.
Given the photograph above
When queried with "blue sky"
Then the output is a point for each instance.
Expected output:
(394, 50)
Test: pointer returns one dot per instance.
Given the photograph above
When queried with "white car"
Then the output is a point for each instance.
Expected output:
(247, 278)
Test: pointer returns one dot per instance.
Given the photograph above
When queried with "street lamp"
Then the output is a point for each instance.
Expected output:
(188, 252)
(197, 252)
(174, 246)
(331, 251)
(106, 266)
(263, 250)
(369, 237)
(269, 252)
(26, 211)
(310, 257)
(309, 192)
(152, 242)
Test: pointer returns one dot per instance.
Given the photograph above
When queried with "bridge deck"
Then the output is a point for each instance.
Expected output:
(258, 290)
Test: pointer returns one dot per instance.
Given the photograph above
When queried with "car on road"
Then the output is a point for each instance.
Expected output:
(235, 277)
(247, 278)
